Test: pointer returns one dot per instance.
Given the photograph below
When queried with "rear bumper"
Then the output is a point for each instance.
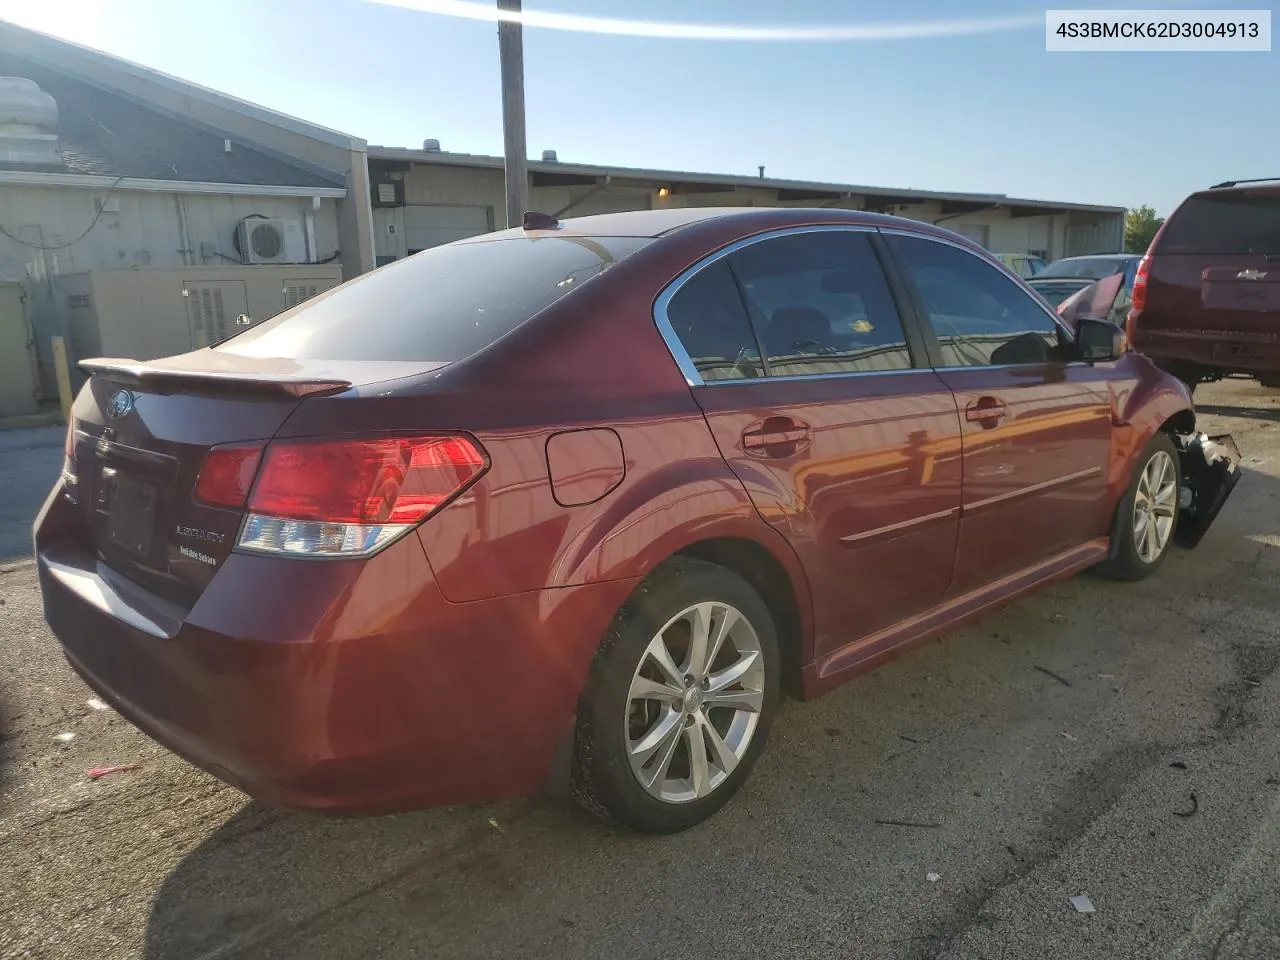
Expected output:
(1222, 351)
(342, 686)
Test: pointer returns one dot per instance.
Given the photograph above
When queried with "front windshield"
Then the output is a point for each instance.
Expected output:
(1085, 268)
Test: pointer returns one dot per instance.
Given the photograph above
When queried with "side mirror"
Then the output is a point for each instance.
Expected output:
(1099, 340)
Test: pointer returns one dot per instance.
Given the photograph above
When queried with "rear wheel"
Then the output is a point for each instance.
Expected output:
(1147, 516)
(1270, 382)
(680, 699)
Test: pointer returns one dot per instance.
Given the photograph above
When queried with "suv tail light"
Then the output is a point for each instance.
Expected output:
(1137, 296)
(1140, 277)
(348, 497)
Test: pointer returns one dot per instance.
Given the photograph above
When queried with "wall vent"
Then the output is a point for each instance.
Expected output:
(295, 294)
(28, 124)
(209, 322)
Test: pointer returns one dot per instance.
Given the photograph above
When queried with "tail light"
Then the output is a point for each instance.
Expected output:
(343, 497)
(227, 475)
(69, 482)
(1140, 278)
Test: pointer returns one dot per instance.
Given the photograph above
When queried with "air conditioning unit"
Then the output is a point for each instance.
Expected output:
(260, 240)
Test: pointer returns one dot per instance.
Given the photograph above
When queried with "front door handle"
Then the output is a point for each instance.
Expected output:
(987, 411)
(776, 437)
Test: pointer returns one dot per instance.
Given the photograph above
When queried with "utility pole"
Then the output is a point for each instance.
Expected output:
(511, 51)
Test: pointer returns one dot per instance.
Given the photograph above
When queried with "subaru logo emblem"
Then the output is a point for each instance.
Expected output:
(120, 404)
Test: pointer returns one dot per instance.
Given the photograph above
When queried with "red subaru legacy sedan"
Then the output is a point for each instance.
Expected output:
(573, 505)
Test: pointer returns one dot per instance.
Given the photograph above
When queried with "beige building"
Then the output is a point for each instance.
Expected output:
(144, 215)
(425, 197)
(109, 166)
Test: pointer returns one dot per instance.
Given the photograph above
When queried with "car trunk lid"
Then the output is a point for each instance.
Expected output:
(1056, 291)
(141, 434)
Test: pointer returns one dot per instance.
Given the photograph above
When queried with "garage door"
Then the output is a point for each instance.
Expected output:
(977, 232)
(430, 226)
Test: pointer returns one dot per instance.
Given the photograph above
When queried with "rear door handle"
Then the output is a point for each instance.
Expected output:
(755, 439)
(985, 410)
(776, 437)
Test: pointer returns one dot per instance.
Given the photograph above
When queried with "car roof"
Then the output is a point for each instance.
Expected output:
(658, 223)
(1257, 183)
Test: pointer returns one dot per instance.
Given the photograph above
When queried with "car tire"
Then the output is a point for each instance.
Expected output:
(1271, 382)
(634, 722)
(1146, 522)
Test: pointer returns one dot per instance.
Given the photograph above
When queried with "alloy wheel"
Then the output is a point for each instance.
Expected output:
(694, 702)
(1155, 506)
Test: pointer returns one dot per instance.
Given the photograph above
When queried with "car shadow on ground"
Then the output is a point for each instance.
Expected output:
(805, 839)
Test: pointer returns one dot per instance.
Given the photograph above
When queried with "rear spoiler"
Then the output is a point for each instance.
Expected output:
(154, 375)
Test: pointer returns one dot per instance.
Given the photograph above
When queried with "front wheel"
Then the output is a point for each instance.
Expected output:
(679, 701)
(1147, 516)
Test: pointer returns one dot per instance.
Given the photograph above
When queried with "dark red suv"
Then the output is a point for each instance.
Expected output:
(1206, 299)
(571, 506)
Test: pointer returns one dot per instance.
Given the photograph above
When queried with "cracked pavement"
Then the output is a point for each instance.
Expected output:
(1057, 745)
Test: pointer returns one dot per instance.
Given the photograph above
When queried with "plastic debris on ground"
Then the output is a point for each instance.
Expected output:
(933, 877)
(96, 704)
(99, 772)
(1082, 904)
(65, 737)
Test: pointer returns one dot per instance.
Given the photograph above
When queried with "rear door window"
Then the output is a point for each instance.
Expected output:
(979, 315)
(710, 320)
(822, 305)
(1231, 223)
(442, 305)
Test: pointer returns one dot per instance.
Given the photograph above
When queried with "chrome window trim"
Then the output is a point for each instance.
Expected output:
(789, 378)
(1056, 320)
(678, 352)
(694, 379)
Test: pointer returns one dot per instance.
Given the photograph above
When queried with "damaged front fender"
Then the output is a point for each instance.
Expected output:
(1210, 471)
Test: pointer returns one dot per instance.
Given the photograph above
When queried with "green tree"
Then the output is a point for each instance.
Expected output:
(1140, 226)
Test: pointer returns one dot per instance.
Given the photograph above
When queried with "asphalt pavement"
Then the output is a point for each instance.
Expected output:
(1113, 741)
(29, 464)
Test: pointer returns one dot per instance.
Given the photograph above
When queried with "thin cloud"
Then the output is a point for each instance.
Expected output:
(842, 32)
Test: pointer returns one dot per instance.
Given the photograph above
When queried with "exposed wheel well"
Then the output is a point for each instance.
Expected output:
(1184, 421)
(769, 578)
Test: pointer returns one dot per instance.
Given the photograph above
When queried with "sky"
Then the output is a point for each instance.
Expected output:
(990, 113)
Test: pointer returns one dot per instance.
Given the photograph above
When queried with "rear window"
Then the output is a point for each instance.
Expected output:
(441, 305)
(1230, 224)
(1089, 268)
